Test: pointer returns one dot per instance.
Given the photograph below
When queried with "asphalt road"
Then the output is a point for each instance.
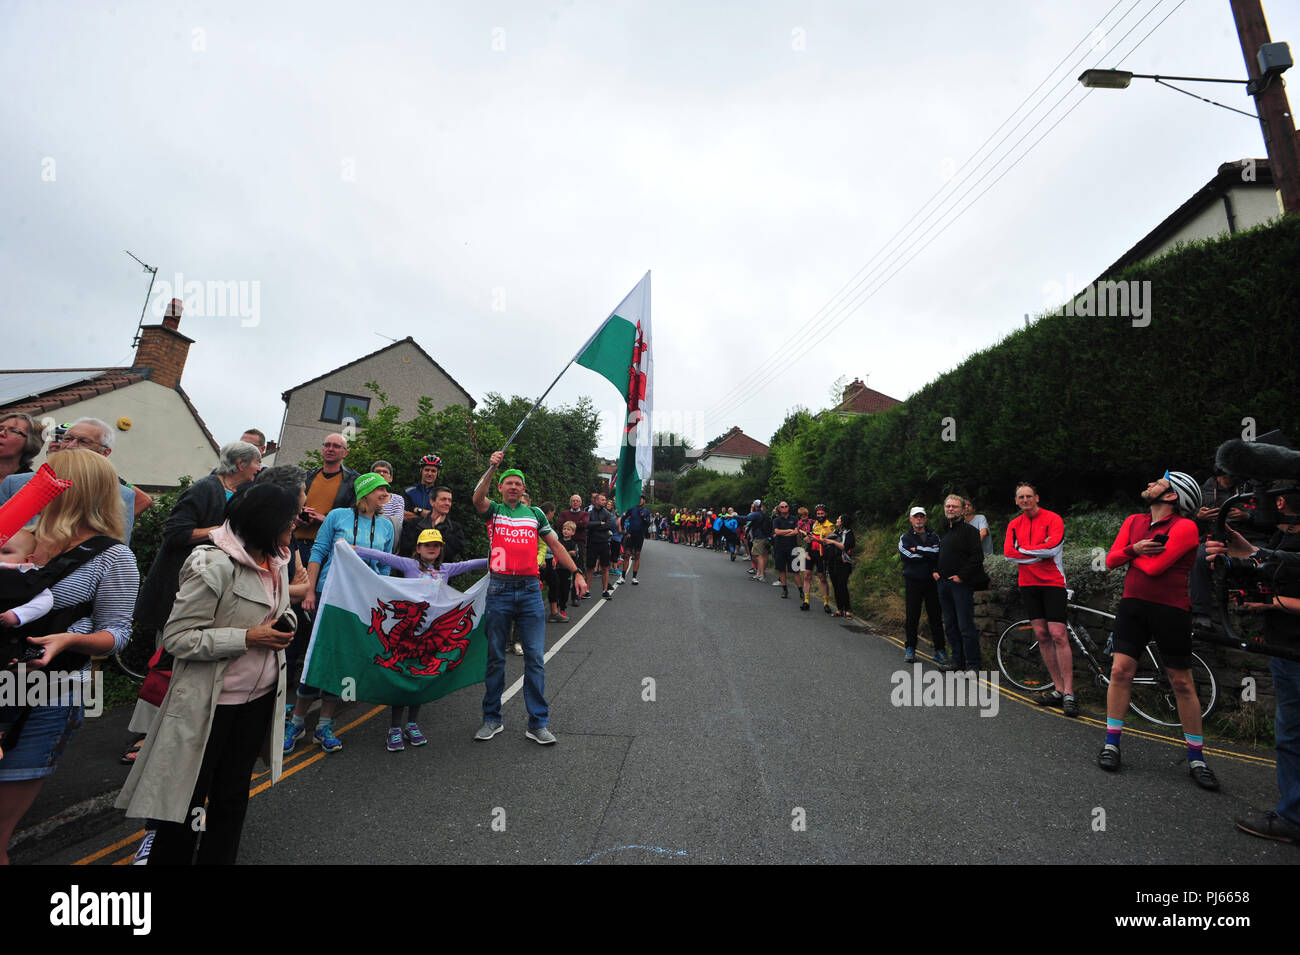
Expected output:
(770, 737)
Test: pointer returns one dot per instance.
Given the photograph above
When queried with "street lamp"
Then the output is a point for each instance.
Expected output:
(1273, 59)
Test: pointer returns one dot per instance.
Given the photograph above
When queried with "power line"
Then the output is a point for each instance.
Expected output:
(952, 183)
(908, 254)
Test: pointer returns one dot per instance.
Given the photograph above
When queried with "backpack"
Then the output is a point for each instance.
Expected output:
(16, 588)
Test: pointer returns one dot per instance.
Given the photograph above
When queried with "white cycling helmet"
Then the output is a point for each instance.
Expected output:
(1188, 491)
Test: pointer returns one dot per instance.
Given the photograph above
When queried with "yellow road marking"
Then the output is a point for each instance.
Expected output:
(1101, 724)
(137, 836)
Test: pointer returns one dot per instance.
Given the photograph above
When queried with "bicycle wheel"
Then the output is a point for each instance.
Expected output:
(1153, 696)
(1019, 659)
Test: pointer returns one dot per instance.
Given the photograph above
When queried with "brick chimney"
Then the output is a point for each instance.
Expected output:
(852, 388)
(163, 349)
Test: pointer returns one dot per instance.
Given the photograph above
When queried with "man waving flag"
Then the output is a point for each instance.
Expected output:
(621, 351)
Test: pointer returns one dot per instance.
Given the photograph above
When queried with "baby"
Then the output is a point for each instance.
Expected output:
(15, 561)
(16, 556)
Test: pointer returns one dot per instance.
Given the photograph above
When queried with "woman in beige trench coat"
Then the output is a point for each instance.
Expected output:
(223, 706)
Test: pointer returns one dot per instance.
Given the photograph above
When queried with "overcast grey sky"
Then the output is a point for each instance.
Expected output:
(492, 178)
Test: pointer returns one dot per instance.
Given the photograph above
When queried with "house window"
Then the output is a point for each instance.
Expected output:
(337, 407)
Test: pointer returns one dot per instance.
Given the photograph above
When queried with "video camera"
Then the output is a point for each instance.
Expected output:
(1274, 468)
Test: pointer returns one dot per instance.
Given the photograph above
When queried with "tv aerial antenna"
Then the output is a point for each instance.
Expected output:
(153, 274)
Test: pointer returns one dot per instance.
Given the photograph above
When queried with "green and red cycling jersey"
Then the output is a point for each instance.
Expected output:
(1158, 578)
(1035, 544)
(513, 535)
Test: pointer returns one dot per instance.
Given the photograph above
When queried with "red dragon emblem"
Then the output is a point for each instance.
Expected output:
(437, 650)
(636, 382)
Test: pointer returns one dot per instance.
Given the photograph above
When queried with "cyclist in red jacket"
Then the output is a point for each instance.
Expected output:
(1159, 549)
(1034, 541)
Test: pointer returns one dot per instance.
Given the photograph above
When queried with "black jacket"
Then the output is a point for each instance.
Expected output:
(960, 553)
(919, 564)
(347, 493)
(453, 537)
(202, 504)
(600, 526)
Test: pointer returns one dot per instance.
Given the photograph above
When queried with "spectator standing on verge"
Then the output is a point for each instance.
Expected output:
(578, 514)
(980, 523)
(90, 434)
(86, 518)
(222, 709)
(1158, 548)
(200, 509)
(329, 487)
(21, 441)
(839, 555)
(395, 506)
(601, 525)
(959, 565)
(419, 503)
(363, 521)
(1034, 541)
(256, 438)
(919, 549)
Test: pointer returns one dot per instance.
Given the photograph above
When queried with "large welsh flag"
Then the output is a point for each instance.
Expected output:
(620, 351)
(388, 640)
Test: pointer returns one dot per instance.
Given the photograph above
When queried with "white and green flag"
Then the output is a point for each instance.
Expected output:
(388, 640)
(621, 352)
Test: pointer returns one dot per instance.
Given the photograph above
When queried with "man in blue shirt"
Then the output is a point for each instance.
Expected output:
(635, 521)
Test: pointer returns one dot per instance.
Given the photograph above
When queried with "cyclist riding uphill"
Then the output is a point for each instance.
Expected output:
(1159, 548)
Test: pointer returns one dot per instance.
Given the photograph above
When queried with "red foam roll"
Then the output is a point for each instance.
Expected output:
(44, 487)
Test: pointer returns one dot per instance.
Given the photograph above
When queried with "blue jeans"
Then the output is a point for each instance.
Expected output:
(1286, 731)
(958, 603)
(517, 599)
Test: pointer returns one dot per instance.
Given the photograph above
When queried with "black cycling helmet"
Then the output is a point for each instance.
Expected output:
(431, 459)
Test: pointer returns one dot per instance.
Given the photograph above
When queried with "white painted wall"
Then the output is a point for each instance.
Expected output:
(1250, 207)
(163, 442)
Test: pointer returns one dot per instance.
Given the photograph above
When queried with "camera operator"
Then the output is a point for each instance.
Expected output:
(1281, 626)
(1219, 487)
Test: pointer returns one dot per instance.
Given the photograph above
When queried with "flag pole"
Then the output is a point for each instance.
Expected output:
(536, 404)
(587, 344)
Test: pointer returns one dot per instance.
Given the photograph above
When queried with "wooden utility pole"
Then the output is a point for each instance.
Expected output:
(1275, 118)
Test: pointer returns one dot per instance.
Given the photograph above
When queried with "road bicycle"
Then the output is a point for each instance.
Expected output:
(1153, 696)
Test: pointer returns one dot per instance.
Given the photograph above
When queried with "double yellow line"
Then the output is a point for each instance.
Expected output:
(301, 759)
(1129, 731)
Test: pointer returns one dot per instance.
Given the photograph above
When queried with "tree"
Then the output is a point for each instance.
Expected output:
(670, 451)
(555, 450)
(836, 391)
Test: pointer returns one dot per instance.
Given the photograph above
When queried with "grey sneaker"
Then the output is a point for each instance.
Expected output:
(488, 730)
(540, 735)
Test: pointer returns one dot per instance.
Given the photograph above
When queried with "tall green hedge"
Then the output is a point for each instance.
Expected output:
(1089, 408)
